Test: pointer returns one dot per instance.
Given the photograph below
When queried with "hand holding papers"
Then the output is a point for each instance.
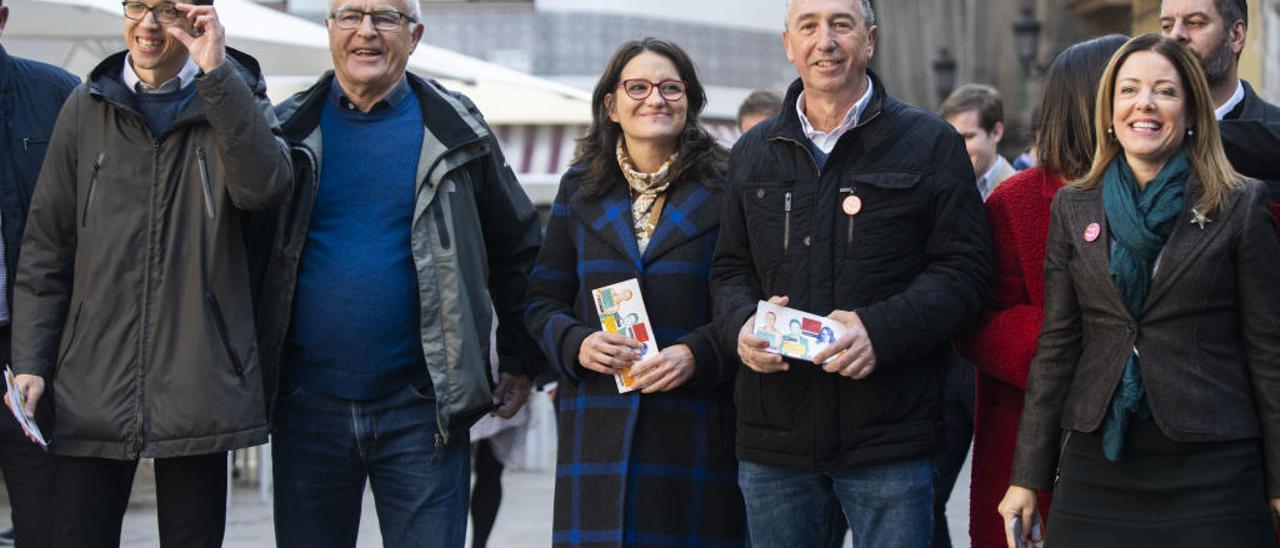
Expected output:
(621, 310)
(795, 333)
(17, 402)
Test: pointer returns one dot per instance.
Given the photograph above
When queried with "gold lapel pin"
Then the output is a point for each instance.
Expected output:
(1199, 218)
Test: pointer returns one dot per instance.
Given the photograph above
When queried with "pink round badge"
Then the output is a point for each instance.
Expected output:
(852, 205)
(1092, 232)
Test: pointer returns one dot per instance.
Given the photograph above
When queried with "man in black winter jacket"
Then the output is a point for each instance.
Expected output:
(854, 205)
(31, 93)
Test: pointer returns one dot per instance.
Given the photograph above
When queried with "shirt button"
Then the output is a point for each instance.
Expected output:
(806, 241)
(760, 193)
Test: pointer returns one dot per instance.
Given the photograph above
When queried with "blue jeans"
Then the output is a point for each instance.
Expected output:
(325, 448)
(886, 505)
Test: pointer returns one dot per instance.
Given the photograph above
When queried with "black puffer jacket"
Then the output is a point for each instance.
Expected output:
(132, 296)
(915, 264)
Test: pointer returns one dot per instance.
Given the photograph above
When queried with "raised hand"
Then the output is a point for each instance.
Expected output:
(206, 40)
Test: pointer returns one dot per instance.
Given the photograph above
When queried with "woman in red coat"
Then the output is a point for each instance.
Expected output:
(1018, 210)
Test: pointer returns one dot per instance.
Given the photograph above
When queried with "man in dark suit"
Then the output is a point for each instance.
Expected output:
(31, 94)
(1216, 30)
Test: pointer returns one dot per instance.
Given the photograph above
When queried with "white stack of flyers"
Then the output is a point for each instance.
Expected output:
(621, 310)
(795, 333)
(18, 408)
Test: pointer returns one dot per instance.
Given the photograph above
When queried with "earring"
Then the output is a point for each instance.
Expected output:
(1111, 133)
(1191, 132)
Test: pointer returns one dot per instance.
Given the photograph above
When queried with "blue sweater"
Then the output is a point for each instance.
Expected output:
(161, 109)
(355, 329)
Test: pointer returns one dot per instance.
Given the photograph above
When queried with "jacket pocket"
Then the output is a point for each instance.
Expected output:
(772, 218)
(75, 330)
(202, 157)
(93, 187)
(221, 326)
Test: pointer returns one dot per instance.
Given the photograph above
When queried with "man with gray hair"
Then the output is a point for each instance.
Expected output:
(854, 205)
(407, 232)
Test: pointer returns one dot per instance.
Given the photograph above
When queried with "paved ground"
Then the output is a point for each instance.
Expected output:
(524, 521)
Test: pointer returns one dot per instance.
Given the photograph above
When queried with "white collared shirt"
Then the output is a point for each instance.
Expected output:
(182, 80)
(1231, 103)
(987, 182)
(826, 141)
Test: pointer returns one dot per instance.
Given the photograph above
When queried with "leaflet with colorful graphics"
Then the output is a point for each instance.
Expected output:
(18, 408)
(795, 333)
(621, 310)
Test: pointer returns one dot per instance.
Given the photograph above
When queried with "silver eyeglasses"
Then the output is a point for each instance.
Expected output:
(384, 20)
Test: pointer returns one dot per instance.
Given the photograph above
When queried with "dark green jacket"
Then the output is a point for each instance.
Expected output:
(131, 296)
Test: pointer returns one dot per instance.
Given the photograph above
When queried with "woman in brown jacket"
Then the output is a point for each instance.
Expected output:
(1158, 366)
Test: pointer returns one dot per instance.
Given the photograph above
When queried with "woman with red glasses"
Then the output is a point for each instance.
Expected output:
(655, 464)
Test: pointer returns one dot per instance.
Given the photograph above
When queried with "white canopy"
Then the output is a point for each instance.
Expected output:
(77, 34)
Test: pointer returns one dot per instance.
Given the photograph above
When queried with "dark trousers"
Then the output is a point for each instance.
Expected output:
(92, 494)
(28, 471)
(958, 415)
(486, 492)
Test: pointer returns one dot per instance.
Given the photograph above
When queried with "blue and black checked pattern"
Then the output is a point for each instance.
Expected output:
(638, 470)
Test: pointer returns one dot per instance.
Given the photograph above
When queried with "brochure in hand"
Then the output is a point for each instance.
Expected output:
(621, 310)
(18, 408)
(795, 333)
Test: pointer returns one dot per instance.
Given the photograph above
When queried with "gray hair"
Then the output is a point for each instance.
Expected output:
(868, 14)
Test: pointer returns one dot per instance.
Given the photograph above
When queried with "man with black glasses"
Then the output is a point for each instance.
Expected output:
(406, 233)
(131, 303)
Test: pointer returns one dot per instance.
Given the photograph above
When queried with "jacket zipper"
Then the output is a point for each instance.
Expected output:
(441, 226)
(93, 184)
(1061, 453)
(786, 221)
(203, 159)
(221, 326)
(291, 212)
(849, 192)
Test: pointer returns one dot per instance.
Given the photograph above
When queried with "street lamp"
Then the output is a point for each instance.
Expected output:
(944, 73)
(1026, 35)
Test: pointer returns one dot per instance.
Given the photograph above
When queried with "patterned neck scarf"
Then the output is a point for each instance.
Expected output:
(648, 191)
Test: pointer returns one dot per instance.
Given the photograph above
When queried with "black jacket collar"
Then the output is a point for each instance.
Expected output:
(300, 114)
(869, 131)
(1253, 107)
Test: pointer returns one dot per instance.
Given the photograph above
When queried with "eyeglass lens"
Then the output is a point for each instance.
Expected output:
(165, 14)
(382, 20)
(640, 90)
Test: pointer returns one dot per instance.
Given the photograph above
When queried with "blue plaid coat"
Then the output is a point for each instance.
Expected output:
(632, 469)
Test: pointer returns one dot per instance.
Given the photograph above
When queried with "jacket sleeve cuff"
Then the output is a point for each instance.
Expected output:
(44, 370)
(708, 368)
(573, 340)
(879, 336)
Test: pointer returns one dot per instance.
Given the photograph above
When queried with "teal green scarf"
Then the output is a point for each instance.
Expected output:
(1140, 220)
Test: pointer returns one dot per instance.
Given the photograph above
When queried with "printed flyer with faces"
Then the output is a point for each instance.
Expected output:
(621, 310)
(795, 333)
